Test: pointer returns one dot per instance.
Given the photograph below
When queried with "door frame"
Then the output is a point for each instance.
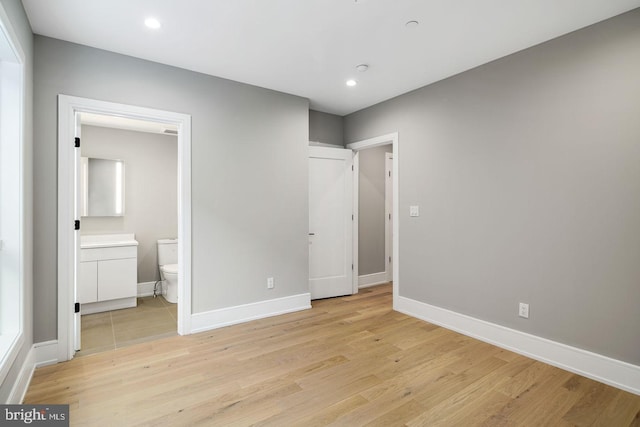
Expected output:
(391, 138)
(68, 106)
(388, 221)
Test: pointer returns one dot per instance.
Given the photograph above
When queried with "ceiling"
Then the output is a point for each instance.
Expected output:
(311, 47)
(126, 123)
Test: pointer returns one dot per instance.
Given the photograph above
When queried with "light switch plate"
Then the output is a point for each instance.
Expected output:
(414, 210)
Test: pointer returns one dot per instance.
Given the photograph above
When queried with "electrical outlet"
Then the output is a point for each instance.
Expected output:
(523, 310)
(270, 283)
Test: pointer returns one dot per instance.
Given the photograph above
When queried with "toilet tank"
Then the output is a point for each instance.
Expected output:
(167, 251)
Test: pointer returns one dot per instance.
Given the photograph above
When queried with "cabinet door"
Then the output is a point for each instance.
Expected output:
(88, 282)
(117, 278)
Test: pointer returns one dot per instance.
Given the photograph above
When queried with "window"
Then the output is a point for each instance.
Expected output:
(11, 196)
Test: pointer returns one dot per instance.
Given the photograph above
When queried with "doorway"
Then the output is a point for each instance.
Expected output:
(392, 216)
(128, 191)
(69, 114)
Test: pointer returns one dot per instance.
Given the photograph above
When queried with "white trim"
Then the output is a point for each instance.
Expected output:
(21, 385)
(109, 305)
(46, 353)
(12, 92)
(356, 221)
(40, 354)
(373, 279)
(145, 289)
(67, 107)
(324, 144)
(388, 222)
(244, 313)
(601, 368)
(377, 141)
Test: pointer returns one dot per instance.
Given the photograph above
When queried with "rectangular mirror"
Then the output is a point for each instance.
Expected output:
(101, 187)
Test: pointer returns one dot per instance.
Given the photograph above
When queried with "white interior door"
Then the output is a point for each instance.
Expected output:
(330, 222)
(76, 236)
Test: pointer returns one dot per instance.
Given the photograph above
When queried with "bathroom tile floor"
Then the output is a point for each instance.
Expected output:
(152, 319)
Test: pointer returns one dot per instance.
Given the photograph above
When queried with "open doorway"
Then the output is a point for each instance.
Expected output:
(70, 204)
(375, 222)
(128, 213)
(375, 219)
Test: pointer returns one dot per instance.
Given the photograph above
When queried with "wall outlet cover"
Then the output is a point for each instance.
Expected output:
(523, 310)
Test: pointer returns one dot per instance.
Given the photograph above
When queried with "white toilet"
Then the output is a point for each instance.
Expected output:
(168, 264)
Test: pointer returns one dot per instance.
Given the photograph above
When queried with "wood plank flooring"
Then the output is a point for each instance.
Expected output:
(348, 361)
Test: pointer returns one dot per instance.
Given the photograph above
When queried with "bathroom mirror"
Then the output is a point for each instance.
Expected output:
(101, 187)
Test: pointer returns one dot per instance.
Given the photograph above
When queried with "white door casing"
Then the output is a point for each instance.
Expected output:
(68, 106)
(393, 139)
(330, 222)
(388, 213)
(77, 323)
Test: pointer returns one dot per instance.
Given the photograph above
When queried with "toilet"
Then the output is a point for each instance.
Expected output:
(168, 265)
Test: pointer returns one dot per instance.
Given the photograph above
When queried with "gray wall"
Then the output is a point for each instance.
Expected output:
(526, 172)
(249, 173)
(371, 210)
(326, 128)
(20, 24)
(151, 189)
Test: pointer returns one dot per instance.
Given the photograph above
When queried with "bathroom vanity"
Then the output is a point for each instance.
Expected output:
(107, 272)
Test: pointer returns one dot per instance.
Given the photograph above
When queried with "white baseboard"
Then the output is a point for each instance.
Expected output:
(243, 313)
(20, 387)
(367, 280)
(46, 353)
(114, 304)
(145, 289)
(40, 354)
(601, 368)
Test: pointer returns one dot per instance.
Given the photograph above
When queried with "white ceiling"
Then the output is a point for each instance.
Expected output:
(311, 47)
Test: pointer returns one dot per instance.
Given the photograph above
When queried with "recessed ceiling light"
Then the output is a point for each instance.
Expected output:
(152, 23)
(362, 68)
(412, 24)
(351, 82)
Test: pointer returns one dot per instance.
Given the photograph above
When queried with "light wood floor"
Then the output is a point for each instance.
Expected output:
(348, 361)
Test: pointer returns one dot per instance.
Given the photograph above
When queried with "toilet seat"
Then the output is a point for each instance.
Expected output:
(170, 268)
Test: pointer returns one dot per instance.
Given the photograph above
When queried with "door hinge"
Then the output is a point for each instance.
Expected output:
(352, 168)
(76, 308)
(389, 173)
(352, 217)
(76, 224)
(389, 217)
(389, 259)
(77, 142)
(352, 267)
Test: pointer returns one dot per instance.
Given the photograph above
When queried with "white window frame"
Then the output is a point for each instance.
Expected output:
(12, 285)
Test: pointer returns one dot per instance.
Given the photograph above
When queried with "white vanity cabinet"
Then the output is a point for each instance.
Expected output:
(107, 273)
